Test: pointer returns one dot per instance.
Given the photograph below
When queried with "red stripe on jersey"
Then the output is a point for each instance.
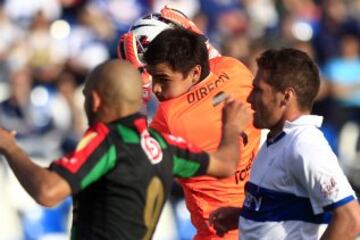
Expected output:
(92, 138)
(181, 143)
(140, 124)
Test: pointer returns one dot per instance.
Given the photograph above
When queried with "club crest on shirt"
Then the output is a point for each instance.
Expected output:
(329, 188)
(151, 147)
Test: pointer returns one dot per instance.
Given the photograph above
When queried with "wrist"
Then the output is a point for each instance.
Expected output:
(10, 150)
(232, 129)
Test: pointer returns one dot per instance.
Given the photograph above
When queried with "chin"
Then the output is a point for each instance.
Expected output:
(258, 124)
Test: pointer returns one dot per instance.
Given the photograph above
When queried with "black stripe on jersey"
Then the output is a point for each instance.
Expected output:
(74, 182)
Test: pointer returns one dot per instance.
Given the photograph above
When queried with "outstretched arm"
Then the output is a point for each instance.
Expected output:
(345, 223)
(44, 186)
(224, 160)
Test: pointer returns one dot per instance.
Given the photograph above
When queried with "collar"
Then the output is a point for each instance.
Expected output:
(312, 120)
(129, 120)
(270, 141)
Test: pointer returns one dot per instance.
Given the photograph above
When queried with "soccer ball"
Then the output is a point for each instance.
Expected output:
(143, 31)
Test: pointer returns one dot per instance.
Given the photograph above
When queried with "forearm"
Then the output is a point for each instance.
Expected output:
(228, 151)
(345, 223)
(37, 181)
(235, 118)
(337, 231)
(229, 147)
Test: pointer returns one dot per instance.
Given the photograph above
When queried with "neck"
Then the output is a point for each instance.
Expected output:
(200, 80)
(108, 116)
(274, 131)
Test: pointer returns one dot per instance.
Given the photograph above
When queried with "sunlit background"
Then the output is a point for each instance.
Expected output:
(48, 46)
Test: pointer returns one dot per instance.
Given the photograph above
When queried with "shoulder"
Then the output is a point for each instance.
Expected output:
(227, 62)
(94, 135)
(309, 143)
(98, 127)
(308, 136)
(231, 66)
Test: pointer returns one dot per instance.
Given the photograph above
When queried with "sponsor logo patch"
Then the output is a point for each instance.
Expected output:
(329, 188)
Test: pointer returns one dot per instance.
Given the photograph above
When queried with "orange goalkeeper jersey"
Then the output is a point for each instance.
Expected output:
(194, 117)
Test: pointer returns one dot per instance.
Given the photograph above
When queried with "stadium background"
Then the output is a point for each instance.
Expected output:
(48, 46)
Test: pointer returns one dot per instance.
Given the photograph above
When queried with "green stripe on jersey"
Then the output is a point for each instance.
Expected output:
(128, 135)
(184, 168)
(106, 163)
(159, 139)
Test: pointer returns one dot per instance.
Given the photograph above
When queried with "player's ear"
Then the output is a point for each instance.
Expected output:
(96, 99)
(289, 95)
(196, 73)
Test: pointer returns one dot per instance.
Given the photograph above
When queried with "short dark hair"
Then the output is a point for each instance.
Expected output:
(290, 67)
(181, 49)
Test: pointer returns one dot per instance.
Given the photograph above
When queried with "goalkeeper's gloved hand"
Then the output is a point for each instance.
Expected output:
(127, 50)
(180, 19)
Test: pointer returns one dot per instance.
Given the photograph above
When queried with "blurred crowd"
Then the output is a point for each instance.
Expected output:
(48, 46)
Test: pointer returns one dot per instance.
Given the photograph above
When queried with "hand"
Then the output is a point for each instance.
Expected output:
(7, 140)
(180, 19)
(127, 50)
(225, 219)
(236, 115)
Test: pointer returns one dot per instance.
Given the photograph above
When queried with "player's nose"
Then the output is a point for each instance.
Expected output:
(156, 88)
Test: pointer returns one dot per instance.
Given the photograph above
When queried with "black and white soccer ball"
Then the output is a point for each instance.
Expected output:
(146, 29)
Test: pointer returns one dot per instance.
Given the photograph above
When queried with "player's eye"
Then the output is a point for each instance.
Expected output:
(142, 69)
(160, 79)
(165, 80)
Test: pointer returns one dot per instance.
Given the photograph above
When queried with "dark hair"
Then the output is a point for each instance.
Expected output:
(292, 68)
(181, 49)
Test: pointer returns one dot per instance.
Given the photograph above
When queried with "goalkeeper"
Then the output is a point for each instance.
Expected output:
(132, 45)
(186, 82)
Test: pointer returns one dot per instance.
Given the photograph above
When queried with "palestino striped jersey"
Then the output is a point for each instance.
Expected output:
(121, 174)
(294, 184)
(195, 117)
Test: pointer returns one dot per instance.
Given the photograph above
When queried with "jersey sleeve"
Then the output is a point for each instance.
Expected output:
(187, 159)
(159, 122)
(94, 157)
(316, 168)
